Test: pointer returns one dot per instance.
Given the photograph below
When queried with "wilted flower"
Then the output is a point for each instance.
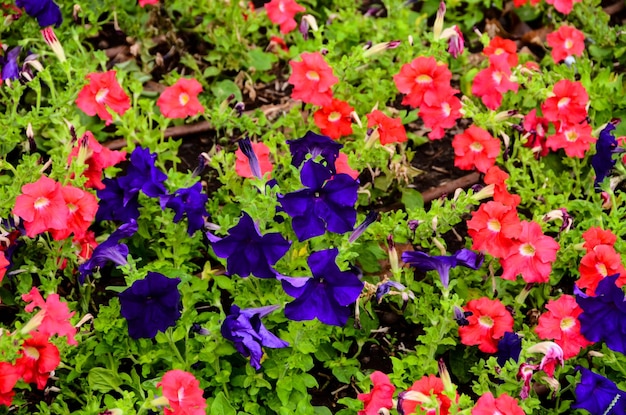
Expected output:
(190, 201)
(245, 329)
(380, 397)
(443, 264)
(314, 145)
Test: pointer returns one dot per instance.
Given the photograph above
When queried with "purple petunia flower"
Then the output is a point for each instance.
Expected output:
(443, 264)
(248, 252)
(246, 148)
(46, 12)
(245, 329)
(10, 68)
(371, 217)
(314, 145)
(109, 250)
(599, 395)
(603, 160)
(150, 305)
(116, 203)
(603, 315)
(326, 204)
(191, 201)
(327, 295)
(142, 174)
(509, 347)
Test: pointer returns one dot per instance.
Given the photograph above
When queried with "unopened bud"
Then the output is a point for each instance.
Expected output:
(438, 27)
(53, 42)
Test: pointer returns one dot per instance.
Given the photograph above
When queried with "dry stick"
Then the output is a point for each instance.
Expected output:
(449, 187)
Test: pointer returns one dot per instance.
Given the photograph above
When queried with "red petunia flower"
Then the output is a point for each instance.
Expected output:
(598, 263)
(312, 80)
(262, 152)
(503, 405)
(423, 81)
(567, 103)
(429, 397)
(563, 6)
(41, 206)
(3, 265)
(143, 3)
(342, 166)
(380, 396)
(536, 128)
(575, 139)
(492, 82)
(9, 375)
(96, 157)
(39, 358)
(442, 114)
(496, 176)
(181, 99)
(567, 41)
(283, 12)
(390, 130)
(487, 324)
(183, 393)
(101, 93)
(498, 47)
(595, 236)
(561, 324)
(475, 148)
(56, 315)
(82, 207)
(334, 120)
(493, 227)
(531, 255)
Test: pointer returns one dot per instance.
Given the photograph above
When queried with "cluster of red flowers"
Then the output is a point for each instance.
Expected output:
(601, 260)
(566, 109)
(428, 396)
(426, 85)
(335, 120)
(283, 12)
(103, 94)
(46, 205)
(492, 82)
(183, 393)
(496, 229)
(38, 357)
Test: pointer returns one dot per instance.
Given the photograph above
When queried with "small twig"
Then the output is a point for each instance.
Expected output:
(449, 187)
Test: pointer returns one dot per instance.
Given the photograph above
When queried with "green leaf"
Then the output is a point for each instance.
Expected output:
(412, 199)
(221, 406)
(222, 90)
(103, 380)
(260, 60)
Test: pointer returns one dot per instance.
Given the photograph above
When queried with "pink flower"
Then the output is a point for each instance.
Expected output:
(380, 396)
(503, 405)
(475, 148)
(283, 12)
(183, 393)
(312, 80)
(567, 41)
(181, 99)
(102, 93)
(56, 315)
(42, 207)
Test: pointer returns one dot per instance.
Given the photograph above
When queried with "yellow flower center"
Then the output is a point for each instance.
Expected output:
(571, 136)
(312, 76)
(41, 202)
(601, 268)
(563, 102)
(569, 44)
(446, 109)
(334, 116)
(31, 352)
(527, 249)
(494, 225)
(101, 95)
(183, 98)
(423, 79)
(567, 323)
(486, 321)
(476, 147)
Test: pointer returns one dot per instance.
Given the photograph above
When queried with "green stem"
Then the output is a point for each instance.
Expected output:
(170, 340)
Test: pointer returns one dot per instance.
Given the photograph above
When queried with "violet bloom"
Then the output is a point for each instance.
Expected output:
(371, 217)
(10, 68)
(142, 174)
(603, 160)
(246, 148)
(327, 295)
(116, 203)
(599, 395)
(190, 201)
(443, 264)
(324, 205)
(314, 145)
(245, 329)
(46, 12)
(509, 347)
(603, 315)
(248, 252)
(150, 305)
(110, 250)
